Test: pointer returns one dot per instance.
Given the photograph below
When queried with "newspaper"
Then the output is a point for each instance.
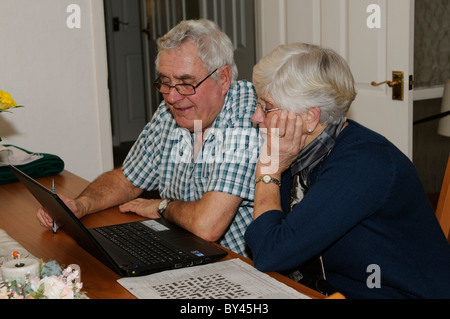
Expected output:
(231, 279)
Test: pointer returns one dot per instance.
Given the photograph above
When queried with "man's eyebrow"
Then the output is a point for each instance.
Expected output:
(182, 77)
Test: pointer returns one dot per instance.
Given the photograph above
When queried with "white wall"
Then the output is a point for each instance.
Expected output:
(60, 75)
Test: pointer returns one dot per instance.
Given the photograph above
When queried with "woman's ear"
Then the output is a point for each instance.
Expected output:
(312, 118)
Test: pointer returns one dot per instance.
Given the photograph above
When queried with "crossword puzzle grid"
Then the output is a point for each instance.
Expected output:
(205, 287)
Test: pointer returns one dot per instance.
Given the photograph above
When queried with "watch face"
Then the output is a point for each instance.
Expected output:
(163, 204)
(266, 179)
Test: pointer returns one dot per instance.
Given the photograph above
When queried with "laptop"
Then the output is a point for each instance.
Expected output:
(130, 249)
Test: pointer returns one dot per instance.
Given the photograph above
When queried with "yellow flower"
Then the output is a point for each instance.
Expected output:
(6, 101)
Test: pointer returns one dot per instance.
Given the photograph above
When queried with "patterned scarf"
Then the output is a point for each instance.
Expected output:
(309, 158)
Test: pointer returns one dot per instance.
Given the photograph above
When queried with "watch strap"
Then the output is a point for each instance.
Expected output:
(161, 210)
(266, 179)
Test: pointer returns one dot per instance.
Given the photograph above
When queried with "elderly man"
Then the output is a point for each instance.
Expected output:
(200, 149)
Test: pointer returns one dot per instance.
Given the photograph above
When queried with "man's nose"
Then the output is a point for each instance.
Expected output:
(173, 96)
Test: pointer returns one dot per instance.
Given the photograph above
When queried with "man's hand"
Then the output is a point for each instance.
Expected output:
(109, 190)
(142, 207)
(76, 207)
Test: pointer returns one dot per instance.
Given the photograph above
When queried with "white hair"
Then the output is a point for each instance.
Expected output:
(215, 48)
(300, 76)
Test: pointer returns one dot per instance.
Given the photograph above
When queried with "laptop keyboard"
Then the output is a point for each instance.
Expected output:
(139, 241)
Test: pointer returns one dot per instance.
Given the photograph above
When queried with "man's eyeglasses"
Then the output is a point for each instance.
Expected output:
(182, 88)
(267, 108)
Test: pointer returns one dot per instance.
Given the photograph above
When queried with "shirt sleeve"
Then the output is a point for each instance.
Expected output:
(141, 164)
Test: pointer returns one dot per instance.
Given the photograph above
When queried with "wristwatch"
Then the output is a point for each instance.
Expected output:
(266, 179)
(163, 206)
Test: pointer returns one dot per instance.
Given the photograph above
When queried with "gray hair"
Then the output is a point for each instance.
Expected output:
(215, 48)
(300, 76)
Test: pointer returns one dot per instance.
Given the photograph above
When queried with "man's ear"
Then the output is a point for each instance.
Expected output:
(225, 78)
(312, 118)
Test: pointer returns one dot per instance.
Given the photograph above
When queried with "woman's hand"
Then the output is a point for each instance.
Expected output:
(284, 140)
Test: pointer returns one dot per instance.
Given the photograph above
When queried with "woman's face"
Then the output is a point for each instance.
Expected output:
(265, 111)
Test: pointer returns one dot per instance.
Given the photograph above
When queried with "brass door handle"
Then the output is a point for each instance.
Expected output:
(397, 84)
(389, 83)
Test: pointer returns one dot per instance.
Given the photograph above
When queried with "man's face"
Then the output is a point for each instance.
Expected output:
(182, 65)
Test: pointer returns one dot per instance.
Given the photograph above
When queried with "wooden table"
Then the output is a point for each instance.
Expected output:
(18, 218)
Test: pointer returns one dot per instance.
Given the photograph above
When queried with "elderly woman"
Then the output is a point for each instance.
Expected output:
(336, 203)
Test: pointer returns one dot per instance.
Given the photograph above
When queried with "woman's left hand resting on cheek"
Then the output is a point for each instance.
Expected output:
(284, 140)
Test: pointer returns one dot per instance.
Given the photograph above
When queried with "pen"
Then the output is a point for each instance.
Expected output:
(54, 223)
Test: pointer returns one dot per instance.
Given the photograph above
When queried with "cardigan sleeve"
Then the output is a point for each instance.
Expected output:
(352, 184)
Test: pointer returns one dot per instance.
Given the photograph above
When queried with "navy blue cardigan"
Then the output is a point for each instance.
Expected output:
(366, 206)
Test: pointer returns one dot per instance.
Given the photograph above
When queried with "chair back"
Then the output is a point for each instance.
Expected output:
(336, 295)
(443, 206)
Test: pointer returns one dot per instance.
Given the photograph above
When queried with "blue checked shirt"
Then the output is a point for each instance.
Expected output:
(162, 159)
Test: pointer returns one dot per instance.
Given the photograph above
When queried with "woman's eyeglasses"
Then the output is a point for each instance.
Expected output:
(267, 108)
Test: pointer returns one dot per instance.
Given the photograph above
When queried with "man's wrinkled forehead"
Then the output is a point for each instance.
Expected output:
(182, 77)
(181, 64)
